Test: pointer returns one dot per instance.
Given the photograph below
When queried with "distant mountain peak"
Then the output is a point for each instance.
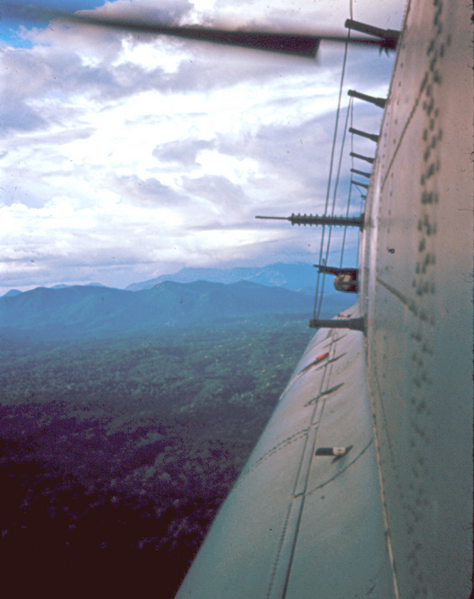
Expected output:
(12, 293)
(64, 286)
(289, 276)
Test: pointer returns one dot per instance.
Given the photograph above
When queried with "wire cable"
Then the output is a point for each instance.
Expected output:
(328, 246)
(318, 296)
(351, 109)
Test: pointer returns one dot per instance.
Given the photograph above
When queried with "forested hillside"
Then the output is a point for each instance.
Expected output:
(116, 454)
(94, 312)
(87, 312)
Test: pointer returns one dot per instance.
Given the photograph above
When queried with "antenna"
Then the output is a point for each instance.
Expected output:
(390, 36)
(303, 219)
(370, 136)
(366, 158)
(360, 184)
(380, 102)
(355, 171)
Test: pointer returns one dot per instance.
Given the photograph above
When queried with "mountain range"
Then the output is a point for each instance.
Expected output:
(89, 311)
(299, 277)
(295, 277)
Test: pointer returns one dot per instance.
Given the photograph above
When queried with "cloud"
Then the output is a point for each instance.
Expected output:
(58, 138)
(183, 152)
(215, 188)
(149, 191)
(130, 154)
(70, 61)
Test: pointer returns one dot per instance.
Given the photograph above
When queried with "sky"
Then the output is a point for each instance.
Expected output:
(124, 156)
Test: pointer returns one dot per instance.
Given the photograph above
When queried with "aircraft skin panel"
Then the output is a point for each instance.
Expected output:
(287, 424)
(342, 526)
(238, 554)
(293, 517)
(418, 298)
(341, 549)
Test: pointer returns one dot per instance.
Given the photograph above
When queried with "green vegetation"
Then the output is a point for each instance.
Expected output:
(116, 454)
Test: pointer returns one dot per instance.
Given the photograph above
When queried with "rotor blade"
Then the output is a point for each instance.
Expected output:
(305, 46)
